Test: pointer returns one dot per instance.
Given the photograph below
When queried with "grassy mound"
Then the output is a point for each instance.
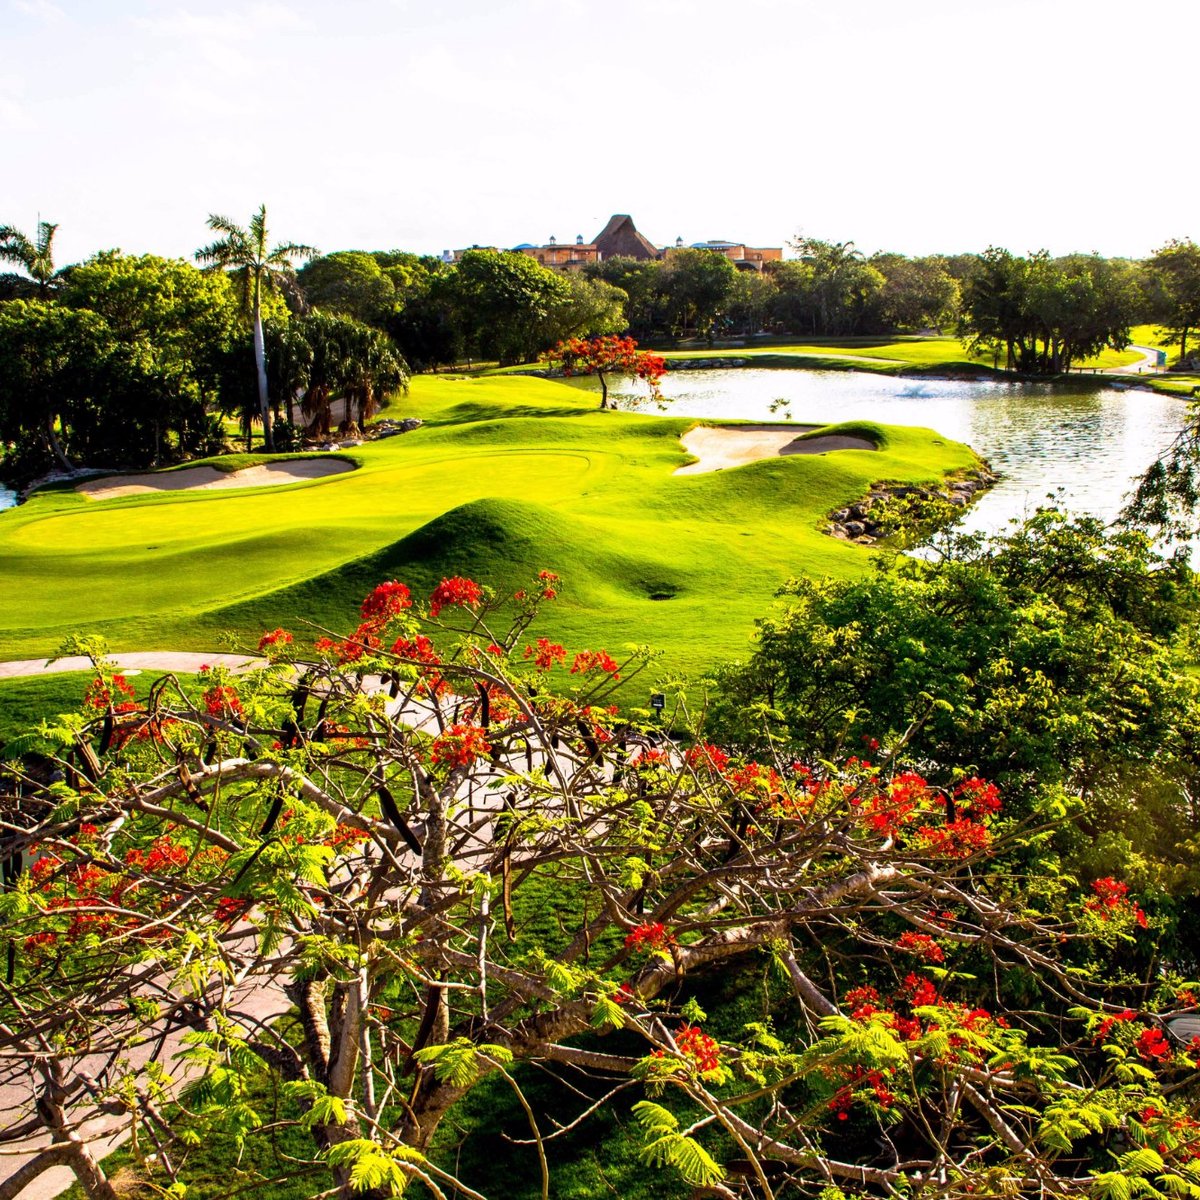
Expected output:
(506, 477)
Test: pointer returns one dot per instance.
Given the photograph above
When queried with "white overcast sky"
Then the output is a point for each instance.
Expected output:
(929, 125)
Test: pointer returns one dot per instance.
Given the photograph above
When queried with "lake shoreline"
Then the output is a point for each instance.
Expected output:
(970, 373)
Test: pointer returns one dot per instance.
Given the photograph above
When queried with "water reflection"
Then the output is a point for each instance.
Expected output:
(1086, 445)
(7, 497)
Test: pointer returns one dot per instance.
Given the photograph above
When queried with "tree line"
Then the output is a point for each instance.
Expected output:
(1039, 314)
(135, 360)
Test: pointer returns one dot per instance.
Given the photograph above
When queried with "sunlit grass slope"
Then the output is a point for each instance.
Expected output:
(507, 476)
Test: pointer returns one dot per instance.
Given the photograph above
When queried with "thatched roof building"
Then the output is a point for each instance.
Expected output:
(620, 237)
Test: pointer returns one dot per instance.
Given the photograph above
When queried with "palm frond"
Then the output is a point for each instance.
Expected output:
(220, 224)
(283, 253)
(45, 236)
(16, 248)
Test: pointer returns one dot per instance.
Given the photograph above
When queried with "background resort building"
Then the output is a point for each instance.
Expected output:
(745, 258)
(620, 239)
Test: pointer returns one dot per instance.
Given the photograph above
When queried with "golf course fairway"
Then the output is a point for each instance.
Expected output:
(507, 476)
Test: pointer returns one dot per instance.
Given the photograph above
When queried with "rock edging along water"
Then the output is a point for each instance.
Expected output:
(889, 506)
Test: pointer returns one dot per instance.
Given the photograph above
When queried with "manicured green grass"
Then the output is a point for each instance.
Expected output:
(507, 476)
(1148, 335)
(1176, 383)
(25, 703)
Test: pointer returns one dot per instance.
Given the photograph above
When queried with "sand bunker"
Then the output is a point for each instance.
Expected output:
(110, 487)
(717, 449)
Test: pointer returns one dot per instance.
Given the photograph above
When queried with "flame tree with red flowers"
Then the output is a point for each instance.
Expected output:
(325, 872)
(610, 355)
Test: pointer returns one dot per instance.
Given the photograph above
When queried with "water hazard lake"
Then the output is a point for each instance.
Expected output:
(1088, 444)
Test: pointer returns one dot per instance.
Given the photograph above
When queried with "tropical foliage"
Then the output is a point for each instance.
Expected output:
(357, 827)
(35, 256)
(258, 268)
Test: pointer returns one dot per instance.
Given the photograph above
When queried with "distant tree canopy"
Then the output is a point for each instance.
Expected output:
(696, 285)
(182, 333)
(351, 283)
(1174, 288)
(504, 302)
(1046, 313)
(74, 389)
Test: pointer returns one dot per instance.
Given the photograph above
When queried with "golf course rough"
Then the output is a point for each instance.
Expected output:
(507, 476)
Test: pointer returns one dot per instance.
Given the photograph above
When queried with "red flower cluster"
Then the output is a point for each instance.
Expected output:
(595, 660)
(1111, 900)
(650, 757)
(921, 992)
(221, 700)
(381, 607)
(978, 798)
(100, 696)
(346, 835)
(1106, 1025)
(703, 1050)
(863, 1080)
(275, 640)
(708, 756)
(955, 840)
(163, 853)
(1152, 1045)
(230, 909)
(862, 1001)
(385, 603)
(652, 935)
(885, 812)
(922, 945)
(547, 654)
(459, 745)
(548, 579)
(754, 778)
(463, 592)
(1174, 1135)
(623, 995)
(363, 641)
(420, 650)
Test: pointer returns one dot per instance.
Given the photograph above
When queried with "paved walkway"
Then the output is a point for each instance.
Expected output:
(148, 660)
(1147, 364)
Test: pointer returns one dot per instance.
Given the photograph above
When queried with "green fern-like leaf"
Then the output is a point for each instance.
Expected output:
(607, 1014)
(1112, 1185)
(653, 1118)
(670, 1148)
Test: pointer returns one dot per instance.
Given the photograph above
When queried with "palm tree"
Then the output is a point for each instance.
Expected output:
(36, 257)
(244, 252)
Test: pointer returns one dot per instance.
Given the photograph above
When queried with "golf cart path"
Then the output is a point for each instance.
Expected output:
(1148, 362)
(145, 660)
